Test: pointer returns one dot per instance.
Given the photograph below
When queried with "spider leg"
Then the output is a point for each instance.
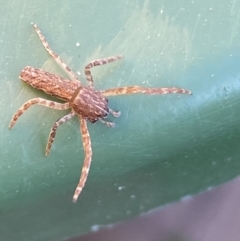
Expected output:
(98, 62)
(46, 45)
(144, 90)
(54, 130)
(109, 124)
(88, 157)
(115, 113)
(39, 101)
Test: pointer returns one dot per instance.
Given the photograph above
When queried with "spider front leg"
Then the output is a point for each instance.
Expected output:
(39, 101)
(115, 114)
(98, 62)
(88, 157)
(54, 130)
(144, 90)
(108, 123)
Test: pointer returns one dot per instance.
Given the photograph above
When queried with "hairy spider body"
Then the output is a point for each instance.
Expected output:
(84, 101)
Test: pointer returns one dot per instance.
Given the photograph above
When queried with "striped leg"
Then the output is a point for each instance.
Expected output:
(88, 157)
(144, 90)
(115, 114)
(68, 71)
(54, 130)
(98, 62)
(39, 101)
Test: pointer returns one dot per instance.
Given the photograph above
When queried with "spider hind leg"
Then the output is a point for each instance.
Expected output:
(59, 61)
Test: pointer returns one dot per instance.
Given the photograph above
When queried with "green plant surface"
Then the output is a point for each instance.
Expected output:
(162, 148)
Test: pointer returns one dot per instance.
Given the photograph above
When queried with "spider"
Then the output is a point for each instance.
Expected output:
(84, 101)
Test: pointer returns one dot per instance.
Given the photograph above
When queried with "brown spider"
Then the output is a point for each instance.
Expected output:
(85, 102)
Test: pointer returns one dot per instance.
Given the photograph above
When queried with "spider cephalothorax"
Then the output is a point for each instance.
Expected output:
(89, 103)
(84, 101)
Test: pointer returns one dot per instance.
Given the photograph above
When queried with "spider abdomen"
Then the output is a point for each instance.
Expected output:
(89, 103)
(49, 83)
